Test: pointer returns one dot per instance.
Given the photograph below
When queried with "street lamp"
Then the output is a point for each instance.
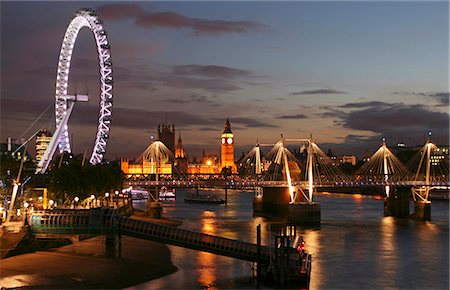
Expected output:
(25, 204)
(92, 200)
(76, 199)
(106, 196)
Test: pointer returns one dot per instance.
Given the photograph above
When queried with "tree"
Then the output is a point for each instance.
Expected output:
(72, 179)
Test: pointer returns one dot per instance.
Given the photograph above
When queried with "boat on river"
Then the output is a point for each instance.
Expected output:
(298, 267)
(165, 193)
(203, 198)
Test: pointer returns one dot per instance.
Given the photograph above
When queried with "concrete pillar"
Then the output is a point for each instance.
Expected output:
(305, 213)
(422, 210)
(276, 200)
(397, 204)
(257, 203)
(110, 246)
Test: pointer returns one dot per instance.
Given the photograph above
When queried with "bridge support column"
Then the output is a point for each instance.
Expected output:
(258, 203)
(305, 213)
(275, 200)
(397, 204)
(110, 246)
(422, 210)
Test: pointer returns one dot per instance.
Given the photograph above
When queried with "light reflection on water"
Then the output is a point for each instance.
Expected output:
(356, 247)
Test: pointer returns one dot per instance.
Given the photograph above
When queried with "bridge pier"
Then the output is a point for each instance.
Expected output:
(258, 203)
(397, 203)
(275, 200)
(305, 213)
(110, 246)
(422, 210)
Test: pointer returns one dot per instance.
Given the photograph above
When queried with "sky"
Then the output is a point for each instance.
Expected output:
(349, 73)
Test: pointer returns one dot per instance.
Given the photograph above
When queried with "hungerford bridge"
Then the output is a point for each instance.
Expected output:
(383, 170)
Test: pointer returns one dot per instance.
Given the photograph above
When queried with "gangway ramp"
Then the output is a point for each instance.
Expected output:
(192, 240)
(98, 222)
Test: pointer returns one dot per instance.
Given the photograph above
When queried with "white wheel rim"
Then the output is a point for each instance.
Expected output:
(86, 18)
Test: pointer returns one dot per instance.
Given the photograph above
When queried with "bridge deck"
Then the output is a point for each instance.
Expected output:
(106, 222)
(192, 240)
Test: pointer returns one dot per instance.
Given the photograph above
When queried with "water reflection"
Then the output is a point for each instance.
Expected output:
(355, 247)
(312, 245)
(205, 261)
(387, 262)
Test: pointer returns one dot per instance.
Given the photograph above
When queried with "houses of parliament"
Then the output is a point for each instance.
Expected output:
(177, 161)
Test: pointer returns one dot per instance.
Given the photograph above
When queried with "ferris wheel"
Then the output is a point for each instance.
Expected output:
(64, 103)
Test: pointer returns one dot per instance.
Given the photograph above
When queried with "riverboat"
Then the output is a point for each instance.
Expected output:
(203, 198)
(165, 193)
(298, 268)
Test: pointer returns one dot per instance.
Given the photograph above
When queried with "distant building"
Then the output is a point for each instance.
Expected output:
(439, 156)
(209, 164)
(11, 146)
(43, 139)
(181, 161)
(166, 134)
(227, 149)
(344, 159)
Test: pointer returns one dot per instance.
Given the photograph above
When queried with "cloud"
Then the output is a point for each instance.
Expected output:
(212, 78)
(120, 11)
(442, 98)
(210, 71)
(364, 104)
(246, 122)
(175, 20)
(393, 120)
(197, 99)
(317, 92)
(207, 84)
(296, 116)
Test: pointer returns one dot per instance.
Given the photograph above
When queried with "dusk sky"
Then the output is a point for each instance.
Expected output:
(349, 73)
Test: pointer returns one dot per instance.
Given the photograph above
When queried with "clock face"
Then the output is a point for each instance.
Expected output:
(230, 140)
(223, 140)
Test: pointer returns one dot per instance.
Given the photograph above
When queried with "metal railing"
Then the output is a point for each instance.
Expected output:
(193, 240)
(108, 221)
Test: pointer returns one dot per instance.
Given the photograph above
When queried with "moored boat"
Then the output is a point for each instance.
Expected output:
(165, 193)
(203, 198)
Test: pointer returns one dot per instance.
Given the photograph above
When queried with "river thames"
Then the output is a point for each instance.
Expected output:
(356, 247)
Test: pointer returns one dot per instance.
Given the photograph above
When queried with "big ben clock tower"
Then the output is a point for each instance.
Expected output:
(228, 148)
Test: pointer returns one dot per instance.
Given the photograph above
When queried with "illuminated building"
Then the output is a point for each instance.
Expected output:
(439, 156)
(154, 160)
(43, 139)
(145, 168)
(209, 164)
(344, 159)
(181, 161)
(179, 152)
(227, 149)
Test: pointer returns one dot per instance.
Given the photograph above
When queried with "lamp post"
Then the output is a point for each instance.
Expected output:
(92, 200)
(76, 199)
(117, 197)
(106, 197)
(25, 204)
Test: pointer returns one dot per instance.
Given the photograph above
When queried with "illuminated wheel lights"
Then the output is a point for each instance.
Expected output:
(85, 17)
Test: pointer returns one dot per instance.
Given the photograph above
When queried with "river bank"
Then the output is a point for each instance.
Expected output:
(83, 265)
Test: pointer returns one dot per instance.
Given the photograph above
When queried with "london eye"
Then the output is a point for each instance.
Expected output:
(64, 103)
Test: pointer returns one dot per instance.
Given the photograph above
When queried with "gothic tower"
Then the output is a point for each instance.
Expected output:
(166, 134)
(228, 148)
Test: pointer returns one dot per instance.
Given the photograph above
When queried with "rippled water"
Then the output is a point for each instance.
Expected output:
(356, 247)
